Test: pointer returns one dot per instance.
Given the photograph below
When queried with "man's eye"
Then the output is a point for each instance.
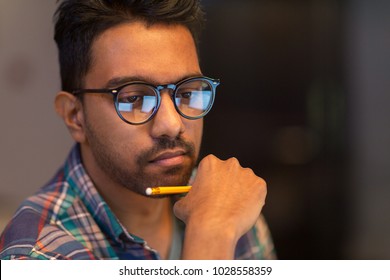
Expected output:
(130, 98)
(186, 94)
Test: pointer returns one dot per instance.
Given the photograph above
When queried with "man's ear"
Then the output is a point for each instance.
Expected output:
(69, 108)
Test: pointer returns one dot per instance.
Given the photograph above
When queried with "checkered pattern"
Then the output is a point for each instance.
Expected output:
(68, 219)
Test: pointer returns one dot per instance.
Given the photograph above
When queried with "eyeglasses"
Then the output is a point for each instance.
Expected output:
(138, 102)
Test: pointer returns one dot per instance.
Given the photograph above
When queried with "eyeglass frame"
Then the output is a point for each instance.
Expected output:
(157, 89)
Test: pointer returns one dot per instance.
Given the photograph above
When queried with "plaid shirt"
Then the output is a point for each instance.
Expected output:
(68, 219)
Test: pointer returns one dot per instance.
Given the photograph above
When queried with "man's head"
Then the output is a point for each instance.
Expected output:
(106, 44)
(80, 22)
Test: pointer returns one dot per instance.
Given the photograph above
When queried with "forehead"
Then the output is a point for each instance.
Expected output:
(163, 53)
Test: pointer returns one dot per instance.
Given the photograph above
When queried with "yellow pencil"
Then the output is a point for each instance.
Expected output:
(167, 190)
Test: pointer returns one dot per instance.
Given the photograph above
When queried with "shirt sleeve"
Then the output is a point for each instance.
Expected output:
(265, 239)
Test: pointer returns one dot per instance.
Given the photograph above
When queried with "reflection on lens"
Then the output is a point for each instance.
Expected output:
(148, 104)
(194, 98)
(136, 102)
(200, 100)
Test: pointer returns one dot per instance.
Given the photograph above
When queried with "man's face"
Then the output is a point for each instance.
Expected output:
(162, 151)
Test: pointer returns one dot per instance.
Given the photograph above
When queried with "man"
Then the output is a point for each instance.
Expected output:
(133, 98)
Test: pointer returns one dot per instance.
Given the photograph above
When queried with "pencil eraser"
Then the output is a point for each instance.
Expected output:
(148, 191)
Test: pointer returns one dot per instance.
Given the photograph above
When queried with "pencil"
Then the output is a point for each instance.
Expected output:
(167, 190)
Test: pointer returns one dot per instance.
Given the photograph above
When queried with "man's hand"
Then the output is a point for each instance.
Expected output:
(224, 203)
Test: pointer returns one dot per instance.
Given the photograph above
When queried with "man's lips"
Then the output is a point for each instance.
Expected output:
(169, 158)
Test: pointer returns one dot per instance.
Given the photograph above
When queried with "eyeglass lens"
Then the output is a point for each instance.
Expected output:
(137, 102)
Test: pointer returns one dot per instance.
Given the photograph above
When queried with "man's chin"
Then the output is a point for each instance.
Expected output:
(171, 177)
(170, 181)
(153, 177)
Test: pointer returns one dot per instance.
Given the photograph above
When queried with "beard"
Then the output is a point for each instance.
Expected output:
(112, 159)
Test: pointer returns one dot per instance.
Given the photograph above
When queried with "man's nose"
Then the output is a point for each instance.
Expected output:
(167, 122)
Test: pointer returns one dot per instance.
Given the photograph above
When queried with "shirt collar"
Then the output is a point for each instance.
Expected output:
(82, 184)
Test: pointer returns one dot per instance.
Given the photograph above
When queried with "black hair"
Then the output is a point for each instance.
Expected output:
(79, 22)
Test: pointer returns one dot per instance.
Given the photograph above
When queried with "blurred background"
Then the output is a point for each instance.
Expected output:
(303, 101)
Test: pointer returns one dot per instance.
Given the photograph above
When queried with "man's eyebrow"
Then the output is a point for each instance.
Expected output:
(119, 81)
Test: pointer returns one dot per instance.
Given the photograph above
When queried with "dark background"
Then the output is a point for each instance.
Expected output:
(285, 108)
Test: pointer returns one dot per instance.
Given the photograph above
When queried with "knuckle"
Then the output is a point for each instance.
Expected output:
(263, 187)
(210, 158)
(249, 171)
(208, 161)
(233, 162)
(262, 182)
(205, 160)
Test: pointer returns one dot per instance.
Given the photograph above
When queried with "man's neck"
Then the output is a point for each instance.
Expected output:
(148, 218)
(135, 211)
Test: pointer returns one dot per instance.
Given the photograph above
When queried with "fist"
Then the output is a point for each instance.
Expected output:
(225, 197)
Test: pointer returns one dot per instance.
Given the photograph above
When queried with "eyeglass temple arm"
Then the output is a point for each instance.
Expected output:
(81, 91)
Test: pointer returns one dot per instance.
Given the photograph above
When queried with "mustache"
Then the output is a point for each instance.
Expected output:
(162, 144)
